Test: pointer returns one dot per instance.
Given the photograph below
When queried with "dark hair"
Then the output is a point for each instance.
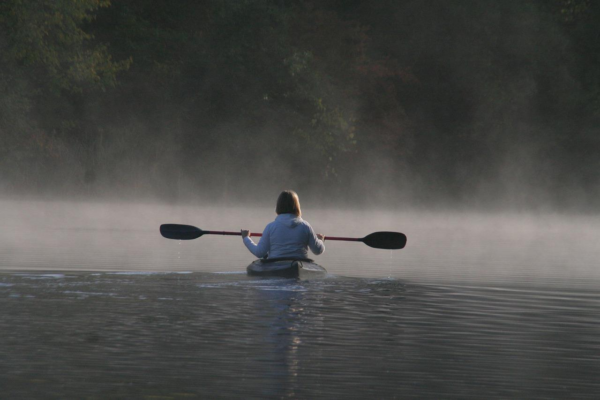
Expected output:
(288, 203)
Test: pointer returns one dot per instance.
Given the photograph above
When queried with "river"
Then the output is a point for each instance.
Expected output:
(478, 305)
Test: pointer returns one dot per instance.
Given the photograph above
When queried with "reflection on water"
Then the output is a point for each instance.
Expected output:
(186, 335)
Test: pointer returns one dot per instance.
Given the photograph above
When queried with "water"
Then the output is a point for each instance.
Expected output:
(96, 305)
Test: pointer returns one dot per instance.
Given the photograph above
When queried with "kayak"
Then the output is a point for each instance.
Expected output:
(287, 268)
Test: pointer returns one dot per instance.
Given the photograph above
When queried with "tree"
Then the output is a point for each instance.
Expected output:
(48, 63)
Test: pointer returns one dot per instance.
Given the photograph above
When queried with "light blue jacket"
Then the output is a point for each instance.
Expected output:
(287, 236)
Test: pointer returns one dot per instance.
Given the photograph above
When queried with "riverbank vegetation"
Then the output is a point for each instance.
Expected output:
(473, 102)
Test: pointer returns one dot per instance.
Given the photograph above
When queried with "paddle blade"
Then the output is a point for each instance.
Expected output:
(385, 240)
(180, 232)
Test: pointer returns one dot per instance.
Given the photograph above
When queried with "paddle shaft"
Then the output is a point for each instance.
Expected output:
(260, 234)
(345, 239)
(228, 233)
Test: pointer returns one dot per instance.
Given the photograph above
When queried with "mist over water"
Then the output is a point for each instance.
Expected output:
(478, 305)
(503, 249)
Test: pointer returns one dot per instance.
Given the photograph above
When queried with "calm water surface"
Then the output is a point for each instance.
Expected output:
(96, 305)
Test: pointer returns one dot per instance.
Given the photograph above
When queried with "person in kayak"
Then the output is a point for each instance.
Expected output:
(289, 236)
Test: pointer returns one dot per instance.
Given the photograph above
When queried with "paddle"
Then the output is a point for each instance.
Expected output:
(377, 240)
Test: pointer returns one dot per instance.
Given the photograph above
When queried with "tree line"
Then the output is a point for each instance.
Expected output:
(391, 101)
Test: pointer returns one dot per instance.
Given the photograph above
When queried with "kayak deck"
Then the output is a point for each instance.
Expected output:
(287, 268)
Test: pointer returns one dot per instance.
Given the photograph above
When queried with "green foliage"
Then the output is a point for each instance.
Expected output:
(47, 39)
(574, 10)
(46, 56)
(321, 95)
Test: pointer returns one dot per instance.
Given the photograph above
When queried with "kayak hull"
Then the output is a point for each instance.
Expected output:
(287, 268)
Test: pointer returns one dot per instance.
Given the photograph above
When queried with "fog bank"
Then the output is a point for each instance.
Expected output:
(503, 249)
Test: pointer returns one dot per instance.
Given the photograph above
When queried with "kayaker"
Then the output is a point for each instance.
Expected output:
(289, 236)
